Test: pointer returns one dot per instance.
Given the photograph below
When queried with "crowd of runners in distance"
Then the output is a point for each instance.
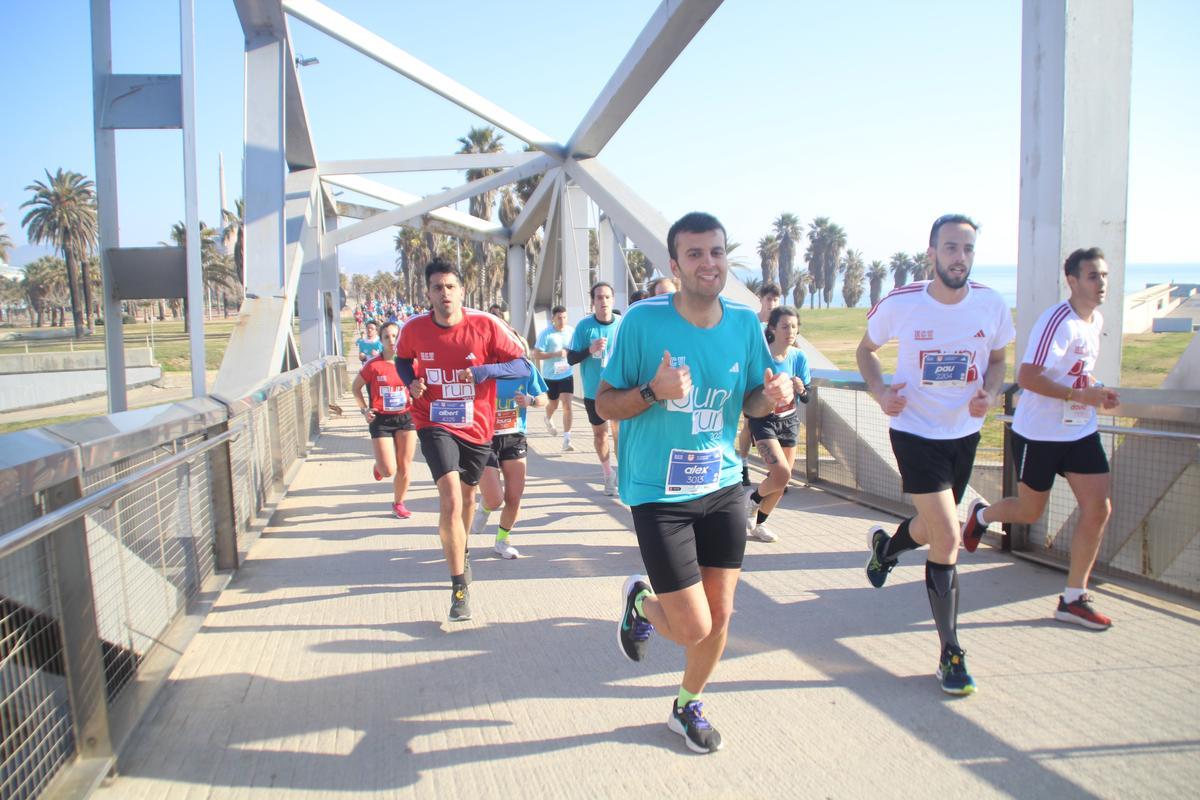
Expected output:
(678, 389)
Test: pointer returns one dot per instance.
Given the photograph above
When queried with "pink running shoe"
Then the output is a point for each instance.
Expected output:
(375, 472)
(400, 511)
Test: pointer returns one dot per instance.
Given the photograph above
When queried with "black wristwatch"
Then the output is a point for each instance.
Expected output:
(648, 394)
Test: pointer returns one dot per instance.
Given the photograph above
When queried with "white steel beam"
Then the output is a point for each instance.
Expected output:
(191, 197)
(369, 44)
(535, 209)
(449, 220)
(636, 218)
(264, 166)
(492, 234)
(665, 36)
(461, 161)
(435, 201)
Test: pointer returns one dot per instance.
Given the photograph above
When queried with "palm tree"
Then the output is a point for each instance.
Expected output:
(804, 285)
(853, 274)
(42, 278)
(233, 239)
(481, 140)
(6, 243)
(899, 265)
(816, 253)
(875, 274)
(787, 231)
(63, 214)
(216, 268)
(922, 267)
(754, 284)
(834, 241)
(768, 258)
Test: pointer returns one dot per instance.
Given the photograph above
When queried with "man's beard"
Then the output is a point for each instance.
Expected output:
(948, 279)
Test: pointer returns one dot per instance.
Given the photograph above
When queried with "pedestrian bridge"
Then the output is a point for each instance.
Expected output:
(323, 663)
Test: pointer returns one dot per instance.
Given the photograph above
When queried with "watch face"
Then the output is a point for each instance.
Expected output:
(648, 394)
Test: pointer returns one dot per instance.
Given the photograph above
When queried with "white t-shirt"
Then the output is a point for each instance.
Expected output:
(944, 352)
(1067, 348)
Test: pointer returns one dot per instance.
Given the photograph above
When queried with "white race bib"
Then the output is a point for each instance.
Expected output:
(452, 413)
(945, 370)
(693, 471)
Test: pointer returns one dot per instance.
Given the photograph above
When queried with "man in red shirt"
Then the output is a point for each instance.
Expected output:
(455, 350)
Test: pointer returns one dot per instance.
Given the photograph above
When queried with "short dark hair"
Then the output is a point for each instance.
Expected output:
(1071, 266)
(693, 222)
(439, 265)
(638, 295)
(776, 314)
(950, 219)
(387, 325)
(598, 285)
(770, 289)
(558, 310)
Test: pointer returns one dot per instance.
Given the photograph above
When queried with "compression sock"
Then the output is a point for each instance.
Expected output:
(941, 583)
(685, 697)
(902, 541)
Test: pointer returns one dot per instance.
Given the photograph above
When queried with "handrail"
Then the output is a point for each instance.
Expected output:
(1146, 432)
(36, 529)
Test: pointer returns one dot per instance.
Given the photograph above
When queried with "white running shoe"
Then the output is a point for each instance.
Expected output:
(550, 429)
(479, 521)
(505, 550)
(762, 534)
(610, 483)
(567, 446)
(751, 506)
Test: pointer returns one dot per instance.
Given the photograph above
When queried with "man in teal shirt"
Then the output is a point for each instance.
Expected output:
(685, 367)
(591, 347)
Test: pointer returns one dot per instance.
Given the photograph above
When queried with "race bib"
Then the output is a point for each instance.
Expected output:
(561, 369)
(1076, 413)
(394, 399)
(693, 471)
(508, 420)
(945, 370)
(453, 413)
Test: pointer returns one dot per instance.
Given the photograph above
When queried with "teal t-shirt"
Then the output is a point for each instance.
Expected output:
(587, 331)
(370, 347)
(510, 417)
(794, 363)
(678, 450)
(551, 340)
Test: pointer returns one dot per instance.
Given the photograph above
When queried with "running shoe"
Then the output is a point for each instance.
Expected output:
(1082, 613)
(878, 566)
(505, 550)
(689, 722)
(375, 472)
(633, 631)
(479, 521)
(952, 672)
(460, 604)
(567, 446)
(610, 483)
(973, 529)
(762, 534)
(550, 429)
(400, 511)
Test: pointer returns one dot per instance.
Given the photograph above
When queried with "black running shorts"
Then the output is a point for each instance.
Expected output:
(1038, 461)
(590, 406)
(563, 386)
(508, 447)
(444, 452)
(784, 429)
(934, 465)
(676, 539)
(383, 426)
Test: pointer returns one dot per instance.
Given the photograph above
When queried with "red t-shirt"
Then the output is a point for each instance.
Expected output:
(463, 408)
(387, 393)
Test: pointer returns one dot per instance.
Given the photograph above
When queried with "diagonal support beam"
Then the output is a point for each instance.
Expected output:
(369, 44)
(640, 221)
(535, 209)
(434, 201)
(444, 220)
(461, 161)
(665, 36)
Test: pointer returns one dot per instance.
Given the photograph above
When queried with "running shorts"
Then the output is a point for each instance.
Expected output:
(444, 452)
(1039, 461)
(384, 425)
(564, 386)
(784, 429)
(677, 539)
(934, 465)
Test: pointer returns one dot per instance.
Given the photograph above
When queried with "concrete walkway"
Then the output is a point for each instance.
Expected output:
(327, 667)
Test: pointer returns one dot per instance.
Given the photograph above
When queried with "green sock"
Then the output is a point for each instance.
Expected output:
(685, 697)
(501, 533)
(637, 602)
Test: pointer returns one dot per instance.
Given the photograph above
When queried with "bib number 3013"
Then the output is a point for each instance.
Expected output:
(693, 471)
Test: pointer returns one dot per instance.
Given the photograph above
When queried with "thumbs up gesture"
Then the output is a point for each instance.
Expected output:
(671, 383)
(891, 401)
(778, 388)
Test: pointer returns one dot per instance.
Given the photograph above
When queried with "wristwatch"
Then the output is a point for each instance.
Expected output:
(648, 394)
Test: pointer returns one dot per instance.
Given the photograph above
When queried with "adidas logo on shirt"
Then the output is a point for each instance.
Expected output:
(735, 369)
(471, 356)
(980, 334)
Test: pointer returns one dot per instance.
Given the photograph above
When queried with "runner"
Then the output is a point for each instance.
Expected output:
(776, 434)
(684, 367)
(663, 285)
(950, 367)
(1054, 431)
(513, 397)
(550, 352)
(768, 300)
(369, 346)
(456, 350)
(386, 408)
(590, 346)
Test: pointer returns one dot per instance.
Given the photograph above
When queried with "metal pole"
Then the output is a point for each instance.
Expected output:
(195, 278)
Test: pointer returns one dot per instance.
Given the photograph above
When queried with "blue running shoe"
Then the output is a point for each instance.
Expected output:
(689, 722)
(633, 631)
(878, 567)
(952, 672)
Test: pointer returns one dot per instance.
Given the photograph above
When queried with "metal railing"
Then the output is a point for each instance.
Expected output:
(1153, 445)
(111, 531)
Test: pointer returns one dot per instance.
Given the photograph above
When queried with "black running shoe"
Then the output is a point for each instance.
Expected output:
(689, 722)
(633, 631)
(460, 604)
(952, 672)
(973, 529)
(878, 566)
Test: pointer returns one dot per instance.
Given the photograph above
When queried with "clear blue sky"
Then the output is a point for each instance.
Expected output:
(821, 109)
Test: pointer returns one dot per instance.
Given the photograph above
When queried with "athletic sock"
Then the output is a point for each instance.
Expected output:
(901, 542)
(979, 516)
(606, 466)
(501, 533)
(745, 475)
(941, 583)
(685, 697)
(1071, 594)
(755, 497)
(760, 518)
(637, 602)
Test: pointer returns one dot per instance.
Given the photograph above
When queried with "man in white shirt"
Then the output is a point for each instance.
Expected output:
(950, 367)
(550, 353)
(1054, 431)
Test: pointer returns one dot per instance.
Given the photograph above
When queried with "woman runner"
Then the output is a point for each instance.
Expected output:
(393, 435)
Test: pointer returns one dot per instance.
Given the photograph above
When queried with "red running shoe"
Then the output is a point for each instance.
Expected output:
(973, 529)
(400, 511)
(1081, 613)
(375, 472)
